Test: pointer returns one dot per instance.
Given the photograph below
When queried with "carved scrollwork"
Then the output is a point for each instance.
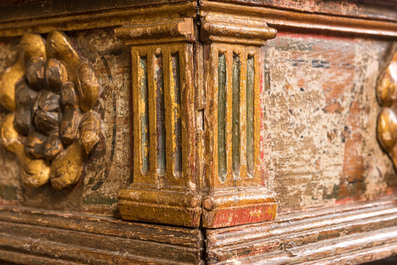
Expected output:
(386, 92)
(51, 93)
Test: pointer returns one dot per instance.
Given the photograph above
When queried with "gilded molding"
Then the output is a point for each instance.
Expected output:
(51, 93)
(219, 26)
(276, 18)
(307, 22)
(236, 33)
(97, 19)
(167, 31)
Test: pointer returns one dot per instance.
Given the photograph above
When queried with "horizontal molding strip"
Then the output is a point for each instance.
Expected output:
(304, 237)
(285, 19)
(359, 9)
(277, 18)
(327, 248)
(187, 237)
(96, 19)
(52, 237)
(376, 253)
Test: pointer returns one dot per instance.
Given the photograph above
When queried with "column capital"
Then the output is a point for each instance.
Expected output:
(168, 31)
(223, 25)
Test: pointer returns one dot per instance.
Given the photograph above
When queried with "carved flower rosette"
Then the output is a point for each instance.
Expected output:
(51, 93)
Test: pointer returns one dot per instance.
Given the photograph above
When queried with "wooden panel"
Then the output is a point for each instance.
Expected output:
(319, 121)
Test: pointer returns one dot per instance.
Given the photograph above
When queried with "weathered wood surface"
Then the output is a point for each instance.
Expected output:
(319, 120)
(346, 234)
(375, 9)
(31, 236)
(278, 18)
(318, 146)
(15, 10)
(109, 168)
(309, 134)
(286, 19)
(96, 19)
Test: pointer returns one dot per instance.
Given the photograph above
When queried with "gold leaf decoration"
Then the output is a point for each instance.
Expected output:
(52, 128)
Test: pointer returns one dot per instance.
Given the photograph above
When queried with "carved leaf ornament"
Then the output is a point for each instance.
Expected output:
(386, 92)
(51, 92)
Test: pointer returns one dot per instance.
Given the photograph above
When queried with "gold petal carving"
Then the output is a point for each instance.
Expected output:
(59, 47)
(31, 47)
(51, 92)
(90, 130)
(386, 92)
(66, 170)
(34, 172)
(87, 87)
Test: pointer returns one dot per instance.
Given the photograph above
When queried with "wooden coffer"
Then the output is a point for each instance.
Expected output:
(198, 132)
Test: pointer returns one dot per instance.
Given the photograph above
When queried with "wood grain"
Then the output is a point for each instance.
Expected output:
(339, 233)
(373, 9)
(29, 235)
(281, 19)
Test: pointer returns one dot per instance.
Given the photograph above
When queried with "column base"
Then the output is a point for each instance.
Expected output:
(228, 207)
(238, 206)
(172, 207)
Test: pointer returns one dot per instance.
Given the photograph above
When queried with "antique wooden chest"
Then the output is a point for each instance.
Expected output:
(198, 132)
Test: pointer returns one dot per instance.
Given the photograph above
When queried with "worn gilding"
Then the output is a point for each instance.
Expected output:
(232, 72)
(164, 187)
(387, 119)
(34, 172)
(168, 144)
(51, 92)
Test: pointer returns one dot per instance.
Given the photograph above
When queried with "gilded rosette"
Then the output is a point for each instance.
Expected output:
(51, 93)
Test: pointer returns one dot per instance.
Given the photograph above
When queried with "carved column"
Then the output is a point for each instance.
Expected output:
(233, 76)
(164, 188)
(196, 143)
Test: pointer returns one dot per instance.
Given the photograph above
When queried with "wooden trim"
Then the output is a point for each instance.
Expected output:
(248, 34)
(12, 11)
(359, 232)
(370, 9)
(286, 19)
(277, 18)
(180, 30)
(363, 232)
(169, 195)
(30, 235)
(96, 19)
